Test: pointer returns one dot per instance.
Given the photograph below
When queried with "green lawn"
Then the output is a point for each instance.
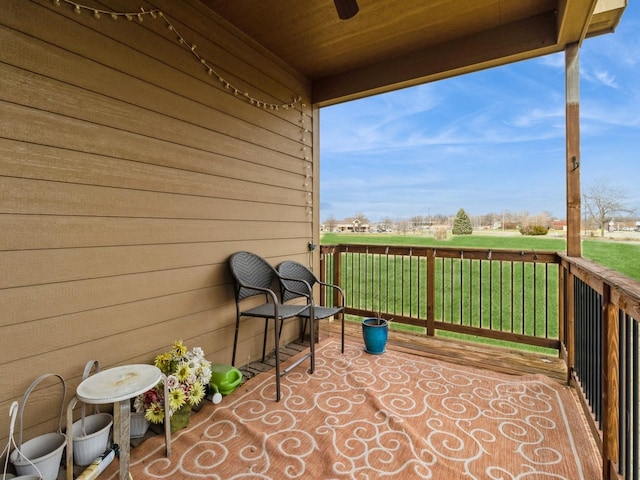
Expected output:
(621, 256)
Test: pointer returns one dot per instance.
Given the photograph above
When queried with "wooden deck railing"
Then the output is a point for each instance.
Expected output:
(602, 314)
(588, 313)
(500, 294)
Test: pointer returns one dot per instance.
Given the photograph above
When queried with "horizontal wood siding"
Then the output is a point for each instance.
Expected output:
(128, 175)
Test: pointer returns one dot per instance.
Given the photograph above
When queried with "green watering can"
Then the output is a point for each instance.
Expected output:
(224, 378)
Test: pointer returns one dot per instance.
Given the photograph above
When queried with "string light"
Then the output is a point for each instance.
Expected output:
(209, 68)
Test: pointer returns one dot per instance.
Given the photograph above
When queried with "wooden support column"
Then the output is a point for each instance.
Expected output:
(572, 92)
(570, 332)
(431, 292)
(563, 351)
(610, 385)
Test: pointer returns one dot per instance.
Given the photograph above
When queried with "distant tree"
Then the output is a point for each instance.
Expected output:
(536, 224)
(417, 221)
(361, 217)
(330, 223)
(439, 219)
(387, 223)
(462, 223)
(603, 202)
(534, 229)
(489, 219)
(403, 226)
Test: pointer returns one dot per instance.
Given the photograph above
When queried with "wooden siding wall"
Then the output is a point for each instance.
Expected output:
(127, 178)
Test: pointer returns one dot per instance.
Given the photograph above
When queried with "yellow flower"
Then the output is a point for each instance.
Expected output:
(182, 372)
(163, 361)
(179, 348)
(154, 413)
(196, 394)
(177, 398)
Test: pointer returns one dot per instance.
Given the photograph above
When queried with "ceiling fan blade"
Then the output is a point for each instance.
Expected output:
(346, 8)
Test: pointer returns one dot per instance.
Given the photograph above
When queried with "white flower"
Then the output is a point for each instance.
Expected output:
(198, 352)
(205, 374)
(138, 404)
(172, 382)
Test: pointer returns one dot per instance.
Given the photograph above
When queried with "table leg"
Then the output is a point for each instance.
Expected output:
(121, 434)
(167, 419)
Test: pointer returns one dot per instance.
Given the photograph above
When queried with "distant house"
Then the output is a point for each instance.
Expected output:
(356, 225)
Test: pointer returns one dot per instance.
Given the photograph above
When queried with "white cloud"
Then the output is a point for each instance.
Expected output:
(555, 60)
(605, 78)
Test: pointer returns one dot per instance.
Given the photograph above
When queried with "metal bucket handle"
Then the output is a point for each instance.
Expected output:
(26, 396)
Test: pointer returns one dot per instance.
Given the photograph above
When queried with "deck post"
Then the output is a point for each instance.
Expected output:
(570, 332)
(562, 310)
(572, 92)
(610, 384)
(337, 266)
(431, 292)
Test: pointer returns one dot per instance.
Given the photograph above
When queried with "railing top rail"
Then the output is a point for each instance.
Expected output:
(625, 290)
(448, 252)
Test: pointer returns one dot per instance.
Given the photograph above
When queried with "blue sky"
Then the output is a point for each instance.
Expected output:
(488, 141)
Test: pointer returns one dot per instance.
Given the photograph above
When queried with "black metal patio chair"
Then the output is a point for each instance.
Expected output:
(254, 276)
(298, 281)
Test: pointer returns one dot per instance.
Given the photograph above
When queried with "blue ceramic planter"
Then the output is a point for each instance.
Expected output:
(375, 332)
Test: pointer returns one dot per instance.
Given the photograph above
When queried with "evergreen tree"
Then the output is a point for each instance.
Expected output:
(462, 223)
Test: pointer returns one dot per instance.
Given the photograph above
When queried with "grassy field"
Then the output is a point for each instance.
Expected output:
(621, 256)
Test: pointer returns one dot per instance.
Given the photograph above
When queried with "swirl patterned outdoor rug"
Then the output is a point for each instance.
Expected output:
(361, 416)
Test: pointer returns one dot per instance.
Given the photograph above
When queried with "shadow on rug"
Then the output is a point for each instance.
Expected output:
(395, 415)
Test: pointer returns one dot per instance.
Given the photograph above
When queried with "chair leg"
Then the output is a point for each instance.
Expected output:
(304, 329)
(235, 342)
(264, 339)
(312, 341)
(342, 333)
(277, 335)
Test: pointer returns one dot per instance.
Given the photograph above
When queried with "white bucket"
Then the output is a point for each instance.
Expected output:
(139, 425)
(40, 456)
(88, 444)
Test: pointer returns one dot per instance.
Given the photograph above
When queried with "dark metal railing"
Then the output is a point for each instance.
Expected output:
(588, 345)
(629, 416)
(500, 294)
(601, 310)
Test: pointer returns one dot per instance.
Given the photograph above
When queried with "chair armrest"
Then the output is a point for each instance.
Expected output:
(266, 291)
(335, 287)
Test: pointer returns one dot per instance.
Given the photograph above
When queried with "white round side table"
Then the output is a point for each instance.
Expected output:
(118, 385)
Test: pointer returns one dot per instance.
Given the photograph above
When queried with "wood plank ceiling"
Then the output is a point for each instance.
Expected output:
(393, 44)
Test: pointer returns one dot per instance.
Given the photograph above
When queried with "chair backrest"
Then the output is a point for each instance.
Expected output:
(249, 269)
(291, 269)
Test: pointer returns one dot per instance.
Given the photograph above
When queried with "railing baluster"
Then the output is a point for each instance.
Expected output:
(512, 294)
(635, 402)
(523, 320)
(623, 373)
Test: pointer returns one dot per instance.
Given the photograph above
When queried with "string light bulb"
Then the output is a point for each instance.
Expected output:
(156, 13)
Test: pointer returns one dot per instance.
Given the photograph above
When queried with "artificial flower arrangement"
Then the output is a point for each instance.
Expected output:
(188, 374)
